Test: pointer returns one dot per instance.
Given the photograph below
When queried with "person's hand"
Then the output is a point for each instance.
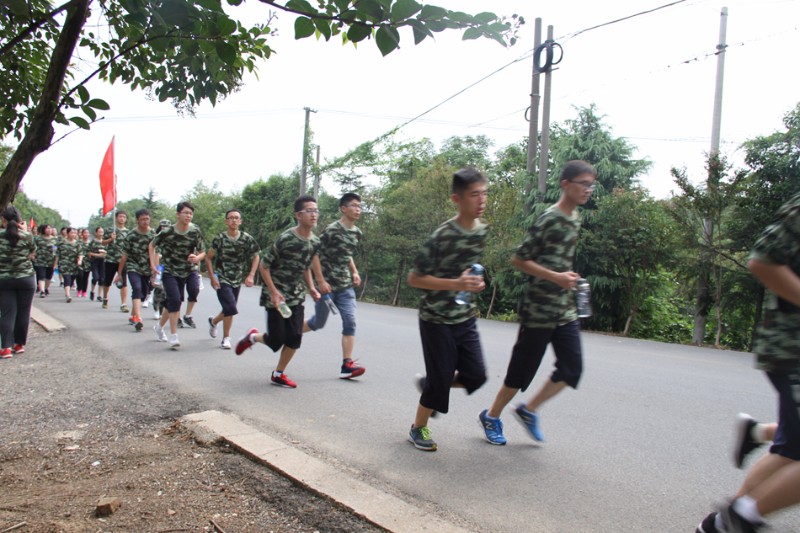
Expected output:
(276, 297)
(356, 279)
(214, 282)
(315, 294)
(249, 281)
(470, 282)
(324, 287)
(193, 259)
(566, 280)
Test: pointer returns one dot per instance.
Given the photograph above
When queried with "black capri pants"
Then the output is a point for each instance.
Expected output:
(530, 349)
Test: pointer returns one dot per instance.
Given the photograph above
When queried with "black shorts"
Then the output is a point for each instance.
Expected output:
(228, 296)
(285, 331)
(140, 285)
(449, 349)
(111, 272)
(527, 354)
(787, 438)
(43, 273)
(173, 287)
(193, 285)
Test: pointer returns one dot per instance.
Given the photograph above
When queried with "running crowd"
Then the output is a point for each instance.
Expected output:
(163, 264)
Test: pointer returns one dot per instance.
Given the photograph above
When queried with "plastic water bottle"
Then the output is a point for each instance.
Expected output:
(119, 284)
(465, 297)
(583, 298)
(159, 275)
(284, 310)
(328, 299)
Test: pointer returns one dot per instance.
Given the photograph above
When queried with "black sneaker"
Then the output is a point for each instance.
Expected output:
(180, 322)
(189, 322)
(91, 295)
(708, 525)
(736, 523)
(744, 441)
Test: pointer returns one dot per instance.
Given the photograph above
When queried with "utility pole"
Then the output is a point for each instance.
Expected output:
(316, 177)
(304, 166)
(533, 118)
(545, 151)
(703, 303)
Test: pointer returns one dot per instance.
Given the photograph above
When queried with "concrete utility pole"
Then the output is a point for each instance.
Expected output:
(316, 177)
(533, 118)
(703, 303)
(545, 151)
(304, 166)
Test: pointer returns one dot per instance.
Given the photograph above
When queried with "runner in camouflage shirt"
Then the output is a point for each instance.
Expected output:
(231, 254)
(17, 282)
(96, 257)
(82, 278)
(450, 342)
(285, 270)
(547, 307)
(771, 484)
(136, 260)
(69, 259)
(181, 246)
(337, 276)
(113, 244)
(45, 259)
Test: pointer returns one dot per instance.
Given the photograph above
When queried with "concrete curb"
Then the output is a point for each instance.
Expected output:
(376, 506)
(48, 323)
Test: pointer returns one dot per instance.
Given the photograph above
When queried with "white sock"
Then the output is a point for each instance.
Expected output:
(253, 338)
(758, 433)
(276, 374)
(747, 509)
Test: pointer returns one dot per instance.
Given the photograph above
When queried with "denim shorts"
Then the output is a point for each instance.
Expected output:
(345, 301)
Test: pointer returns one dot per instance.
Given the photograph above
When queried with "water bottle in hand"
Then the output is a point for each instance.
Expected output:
(583, 298)
(328, 299)
(465, 297)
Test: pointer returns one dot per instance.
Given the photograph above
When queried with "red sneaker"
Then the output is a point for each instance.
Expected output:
(18, 348)
(245, 342)
(283, 381)
(5, 353)
(350, 369)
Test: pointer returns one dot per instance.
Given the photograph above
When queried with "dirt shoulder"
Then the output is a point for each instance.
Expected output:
(79, 425)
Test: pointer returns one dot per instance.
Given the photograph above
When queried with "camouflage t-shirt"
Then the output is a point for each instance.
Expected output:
(176, 247)
(16, 262)
(135, 249)
(45, 251)
(448, 252)
(337, 246)
(233, 257)
(550, 242)
(86, 264)
(287, 261)
(777, 343)
(114, 248)
(94, 247)
(68, 253)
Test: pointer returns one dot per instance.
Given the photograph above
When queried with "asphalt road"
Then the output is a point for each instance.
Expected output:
(643, 445)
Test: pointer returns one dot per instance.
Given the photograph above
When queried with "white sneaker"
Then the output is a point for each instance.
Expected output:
(174, 343)
(212, 328)
(162, 337)
(145, 304)
(226, 343)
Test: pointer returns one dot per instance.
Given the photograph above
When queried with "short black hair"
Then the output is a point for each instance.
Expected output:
(348, 197)
(43, 229)
(232, 210)
(576, 167)
(121, 212)
(301, 201)
(182, 205)
(141, 212)
(465, 177)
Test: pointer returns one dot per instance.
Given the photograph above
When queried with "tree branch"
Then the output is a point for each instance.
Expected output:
(33, 26)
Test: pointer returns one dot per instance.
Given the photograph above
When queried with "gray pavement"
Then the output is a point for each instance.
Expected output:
(643, 445)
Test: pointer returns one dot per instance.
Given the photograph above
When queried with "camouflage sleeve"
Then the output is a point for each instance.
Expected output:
(254, 249)
(200, 244)
(780, 242)
(531, 245)
(216, 245)
(426, 260)
(271, 255)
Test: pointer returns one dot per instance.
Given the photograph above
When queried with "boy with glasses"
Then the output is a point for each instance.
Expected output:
(337, 276)
(284, 268)
(547, 311)
(450, 342)
(113, 244)
(181, 247)
(136, 260)
(230, 254)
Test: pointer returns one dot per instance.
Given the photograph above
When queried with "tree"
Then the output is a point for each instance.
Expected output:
(185, 51)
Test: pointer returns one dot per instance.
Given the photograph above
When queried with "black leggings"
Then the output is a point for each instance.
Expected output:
(16, 296)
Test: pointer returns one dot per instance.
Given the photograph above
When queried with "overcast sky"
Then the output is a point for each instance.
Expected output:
(652, 77)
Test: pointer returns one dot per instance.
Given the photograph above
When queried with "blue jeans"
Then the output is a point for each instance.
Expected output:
(345, 301)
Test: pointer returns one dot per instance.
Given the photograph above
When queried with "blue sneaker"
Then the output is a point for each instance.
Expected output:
(530, 421)
(492, 427)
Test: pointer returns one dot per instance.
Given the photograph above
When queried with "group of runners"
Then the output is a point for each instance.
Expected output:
(300, 263)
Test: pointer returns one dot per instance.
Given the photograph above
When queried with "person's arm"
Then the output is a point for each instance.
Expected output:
(151, 252)
(465, 282)
(316, 268)
(780, 279)
(310, 283)
(250, 280)
(565, 280)
(354, 272)
(122, 260)
(274, 293)
(209, 259)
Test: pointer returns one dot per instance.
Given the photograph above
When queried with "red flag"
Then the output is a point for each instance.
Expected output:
(32, 223)
(108, 180)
